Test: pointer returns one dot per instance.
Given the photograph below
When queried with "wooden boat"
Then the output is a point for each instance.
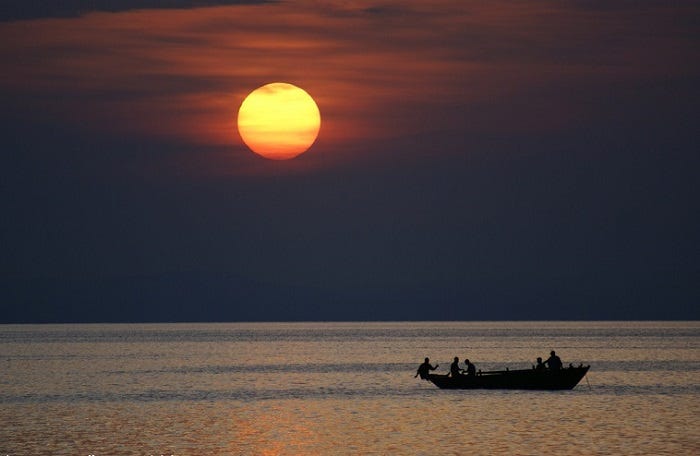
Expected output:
(527, 379)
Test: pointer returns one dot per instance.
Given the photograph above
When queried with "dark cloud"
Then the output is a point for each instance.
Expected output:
(13, 10)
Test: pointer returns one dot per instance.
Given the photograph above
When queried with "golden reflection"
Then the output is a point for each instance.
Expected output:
(279, 428)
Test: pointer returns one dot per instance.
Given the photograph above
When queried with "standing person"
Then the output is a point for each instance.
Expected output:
(553, 362)
(471, 369)
(455, 371)
(424, 369)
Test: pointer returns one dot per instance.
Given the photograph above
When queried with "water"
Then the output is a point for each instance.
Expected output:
(342, 388)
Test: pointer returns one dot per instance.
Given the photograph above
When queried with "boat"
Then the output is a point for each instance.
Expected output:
(526, 379)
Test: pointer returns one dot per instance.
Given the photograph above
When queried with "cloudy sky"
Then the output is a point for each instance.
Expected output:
(476, 160)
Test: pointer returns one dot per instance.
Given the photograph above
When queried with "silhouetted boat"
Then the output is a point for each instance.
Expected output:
(527, 379)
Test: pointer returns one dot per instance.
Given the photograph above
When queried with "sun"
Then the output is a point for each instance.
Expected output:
(279, 121)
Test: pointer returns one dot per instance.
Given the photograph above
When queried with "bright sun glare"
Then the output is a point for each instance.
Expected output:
(279, 121)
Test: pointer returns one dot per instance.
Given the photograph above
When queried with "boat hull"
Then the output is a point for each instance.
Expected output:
(530, 379)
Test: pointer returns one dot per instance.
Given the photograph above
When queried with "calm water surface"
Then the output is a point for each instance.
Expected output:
(343, 388)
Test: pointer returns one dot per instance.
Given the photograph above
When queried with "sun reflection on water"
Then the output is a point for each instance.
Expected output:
(227, 389)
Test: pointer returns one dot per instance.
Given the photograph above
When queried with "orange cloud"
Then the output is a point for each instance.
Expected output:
(375, 72)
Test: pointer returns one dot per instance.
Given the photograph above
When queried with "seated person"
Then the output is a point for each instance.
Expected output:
(471, 369)
(424, 369)
(540, 365)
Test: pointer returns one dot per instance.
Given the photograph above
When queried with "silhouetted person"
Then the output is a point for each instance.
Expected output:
(455, 371)
(540, 366)
(471, 369)
(424, 369)
(553, 362)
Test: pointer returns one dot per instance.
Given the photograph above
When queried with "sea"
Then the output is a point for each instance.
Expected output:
(343, 389)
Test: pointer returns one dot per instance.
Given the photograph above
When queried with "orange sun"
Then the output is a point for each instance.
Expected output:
(279, 121)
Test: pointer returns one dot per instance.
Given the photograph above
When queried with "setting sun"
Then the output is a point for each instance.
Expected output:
(279, 121)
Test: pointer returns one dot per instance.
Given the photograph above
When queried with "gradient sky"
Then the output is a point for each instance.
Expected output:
(477, 160)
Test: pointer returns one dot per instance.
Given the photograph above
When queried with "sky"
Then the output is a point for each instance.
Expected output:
(500, 160)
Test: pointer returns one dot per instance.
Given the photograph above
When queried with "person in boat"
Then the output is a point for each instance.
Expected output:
(471, 369)
(540, 365)
(424, 369)
(455, 371)
(553, 362)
